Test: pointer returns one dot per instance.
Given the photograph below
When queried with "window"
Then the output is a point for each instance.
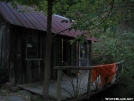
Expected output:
(33, 46)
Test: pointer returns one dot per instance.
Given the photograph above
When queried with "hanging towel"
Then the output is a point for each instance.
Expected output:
(106, 73)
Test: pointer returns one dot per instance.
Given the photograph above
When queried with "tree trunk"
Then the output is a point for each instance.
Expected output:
(48, 52)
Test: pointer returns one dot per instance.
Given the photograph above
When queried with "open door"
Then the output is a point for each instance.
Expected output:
(62, 52)
(84, 54)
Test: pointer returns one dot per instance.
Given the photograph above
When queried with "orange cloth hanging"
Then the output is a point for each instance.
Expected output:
(105, 71)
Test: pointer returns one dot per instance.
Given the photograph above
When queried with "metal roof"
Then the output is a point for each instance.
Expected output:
(36, 20)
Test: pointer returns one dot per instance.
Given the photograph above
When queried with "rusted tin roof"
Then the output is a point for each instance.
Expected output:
(36, 20)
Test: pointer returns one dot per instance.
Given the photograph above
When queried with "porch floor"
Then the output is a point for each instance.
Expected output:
(67, 90)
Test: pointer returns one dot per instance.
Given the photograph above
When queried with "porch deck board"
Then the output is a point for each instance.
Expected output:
(67, 91)
(66, 86)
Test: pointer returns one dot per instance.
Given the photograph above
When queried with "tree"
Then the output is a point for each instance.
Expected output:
(48, 51)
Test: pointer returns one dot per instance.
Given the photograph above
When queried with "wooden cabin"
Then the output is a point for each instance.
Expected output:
(22, 44)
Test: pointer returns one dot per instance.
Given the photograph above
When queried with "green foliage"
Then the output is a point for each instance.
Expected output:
(3, 75)
(114, 48)
(61, 7)
(98, 16)
(127, 82)
(93, 13)
(81, 38)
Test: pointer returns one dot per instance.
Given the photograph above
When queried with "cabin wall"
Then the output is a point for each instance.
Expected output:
(13, 55)
(32, 67)
(22, 69)
(4, 45)
(27, 70)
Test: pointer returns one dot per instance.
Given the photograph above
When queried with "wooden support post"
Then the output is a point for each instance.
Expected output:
(62, 51)
(88, 86)
(117, 73)
(59, 86)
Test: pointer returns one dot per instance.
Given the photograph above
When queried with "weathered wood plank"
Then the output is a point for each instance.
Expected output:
(3, 44)
(79, 67)
(53, 88)
(0, 45)
(37, 88)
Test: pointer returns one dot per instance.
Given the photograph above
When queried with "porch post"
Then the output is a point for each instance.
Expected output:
(59, 86)
(77, 53)
(62, 50)
(88, 86)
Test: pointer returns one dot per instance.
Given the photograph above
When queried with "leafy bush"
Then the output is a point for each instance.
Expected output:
(114, 48)
(3, 75)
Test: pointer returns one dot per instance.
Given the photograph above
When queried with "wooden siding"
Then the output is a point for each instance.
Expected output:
(22, 69)
(4, 45)
(33, 68)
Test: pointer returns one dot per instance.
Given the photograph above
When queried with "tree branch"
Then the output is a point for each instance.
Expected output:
(107, 16)
(55, 2)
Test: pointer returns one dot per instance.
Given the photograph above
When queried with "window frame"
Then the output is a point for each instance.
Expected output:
(34, 36)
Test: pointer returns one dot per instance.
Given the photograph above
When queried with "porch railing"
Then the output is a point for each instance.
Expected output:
(82, 73)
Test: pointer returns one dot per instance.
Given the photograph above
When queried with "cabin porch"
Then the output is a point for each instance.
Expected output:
(73, 86)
